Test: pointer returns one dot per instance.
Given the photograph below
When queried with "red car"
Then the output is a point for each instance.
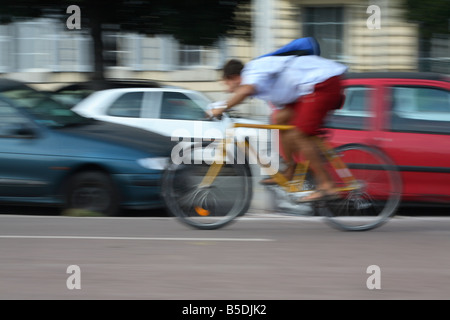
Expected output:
(406, 115)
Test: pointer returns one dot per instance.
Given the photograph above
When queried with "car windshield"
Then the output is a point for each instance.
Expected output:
(71, 97)
(201, 100)
(43, 108)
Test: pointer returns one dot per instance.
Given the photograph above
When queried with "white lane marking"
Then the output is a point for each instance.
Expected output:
(132, 238)
(248, 216)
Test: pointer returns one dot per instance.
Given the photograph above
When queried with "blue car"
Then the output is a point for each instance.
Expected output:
(51, 156)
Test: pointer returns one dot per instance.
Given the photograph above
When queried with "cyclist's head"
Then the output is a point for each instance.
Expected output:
(232, 68)
(232, 74)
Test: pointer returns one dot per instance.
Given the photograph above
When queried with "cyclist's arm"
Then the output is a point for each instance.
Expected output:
(240, 94)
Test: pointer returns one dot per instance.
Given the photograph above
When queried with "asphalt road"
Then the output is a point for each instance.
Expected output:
(260, 257)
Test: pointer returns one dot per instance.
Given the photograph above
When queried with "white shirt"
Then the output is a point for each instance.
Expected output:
(283, 79)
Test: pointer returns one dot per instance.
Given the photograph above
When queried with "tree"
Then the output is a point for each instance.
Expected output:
(432, 17)
(195, 22)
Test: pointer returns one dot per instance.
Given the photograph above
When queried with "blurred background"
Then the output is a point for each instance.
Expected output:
(185, 43)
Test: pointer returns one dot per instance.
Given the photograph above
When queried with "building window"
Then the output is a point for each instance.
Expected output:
(110, 49)
(190, 55)
(5, 48)
(32, 45)
(326, 24)
(194, 56)
(165, 53)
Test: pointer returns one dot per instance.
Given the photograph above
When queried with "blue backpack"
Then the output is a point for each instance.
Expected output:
(298, 47)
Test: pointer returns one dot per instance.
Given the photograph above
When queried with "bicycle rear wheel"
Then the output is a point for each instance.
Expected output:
(210, 206)
(377, 193)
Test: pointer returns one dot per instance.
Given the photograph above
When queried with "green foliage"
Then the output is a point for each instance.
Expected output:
(433, 16)
(193, 22)
(196, 22)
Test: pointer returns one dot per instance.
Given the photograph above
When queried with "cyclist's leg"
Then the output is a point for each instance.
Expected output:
(305, 143)
(310, 112)
(283, 117)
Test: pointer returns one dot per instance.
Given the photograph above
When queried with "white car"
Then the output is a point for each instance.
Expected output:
(179, 113)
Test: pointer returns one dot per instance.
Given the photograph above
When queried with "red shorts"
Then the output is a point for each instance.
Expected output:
(310, 110)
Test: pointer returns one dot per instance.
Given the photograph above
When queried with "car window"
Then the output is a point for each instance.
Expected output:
(11, 120)
(44, 110)
(355, 112)
(127, 105)
(176, 105)
(420, 109)
(71, 97)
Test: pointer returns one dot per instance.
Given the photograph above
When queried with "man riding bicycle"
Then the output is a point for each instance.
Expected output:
(302, 89)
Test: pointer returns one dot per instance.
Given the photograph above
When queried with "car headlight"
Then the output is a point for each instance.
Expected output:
(158, 163)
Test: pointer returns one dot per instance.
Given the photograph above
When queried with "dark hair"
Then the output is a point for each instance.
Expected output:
(232, 68)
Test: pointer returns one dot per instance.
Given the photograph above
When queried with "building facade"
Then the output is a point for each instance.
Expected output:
(365, 35)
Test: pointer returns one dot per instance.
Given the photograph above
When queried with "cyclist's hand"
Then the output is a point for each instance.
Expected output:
(217, 113)
(216, 109)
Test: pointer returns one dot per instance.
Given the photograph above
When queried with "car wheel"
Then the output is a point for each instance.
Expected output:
(92, 191)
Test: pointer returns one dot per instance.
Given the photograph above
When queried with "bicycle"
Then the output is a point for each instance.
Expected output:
(210, 192)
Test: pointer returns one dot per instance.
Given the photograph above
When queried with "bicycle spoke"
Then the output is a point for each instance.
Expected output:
(377, 196)
(208, 206)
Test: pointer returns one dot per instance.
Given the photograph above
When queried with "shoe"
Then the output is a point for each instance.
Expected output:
(320, 195)
(288, 174)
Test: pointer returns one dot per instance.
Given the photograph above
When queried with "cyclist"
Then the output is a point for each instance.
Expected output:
(302, 89)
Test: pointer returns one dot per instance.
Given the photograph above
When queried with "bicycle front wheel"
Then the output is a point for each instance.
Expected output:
(375, 195)
(209, 206)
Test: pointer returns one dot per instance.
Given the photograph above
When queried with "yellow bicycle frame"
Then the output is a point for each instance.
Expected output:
(295, 185)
